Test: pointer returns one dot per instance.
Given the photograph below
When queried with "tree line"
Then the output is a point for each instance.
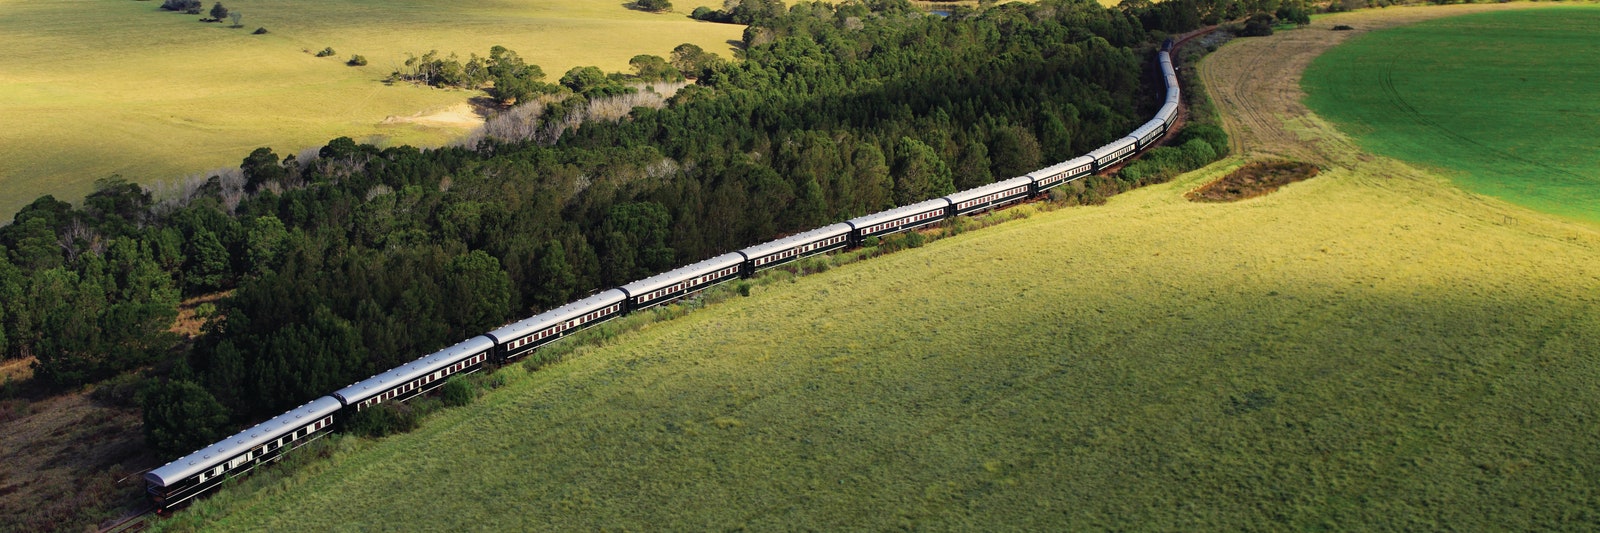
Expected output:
(360, 258)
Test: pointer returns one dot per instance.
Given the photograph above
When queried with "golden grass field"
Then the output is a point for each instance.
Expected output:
(94, 88)
(1372, 349)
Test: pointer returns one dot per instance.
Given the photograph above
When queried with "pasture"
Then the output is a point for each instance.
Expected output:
(90, 89)
(1503, 103)
(1369, 349)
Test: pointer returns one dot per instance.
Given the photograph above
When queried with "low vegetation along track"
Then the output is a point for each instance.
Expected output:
(1255, 82)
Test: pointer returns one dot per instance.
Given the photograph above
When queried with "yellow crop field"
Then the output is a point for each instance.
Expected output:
(90, 89)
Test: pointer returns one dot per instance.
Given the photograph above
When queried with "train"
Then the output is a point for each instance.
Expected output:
(180, 481)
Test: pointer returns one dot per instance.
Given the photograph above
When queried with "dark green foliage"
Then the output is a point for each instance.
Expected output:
(259, 31)
(919, 173)
(591, 82)
(1195, 146)
(181, 417)
(1259, 25)
(386, 418)
(654, 68)
(218, 12)
(654, 6)
(357, 60)
(261, 167)
(1293, 13)
(208, 266)
(326, 52)
(458, 391)
(191, 7)
(691, 60)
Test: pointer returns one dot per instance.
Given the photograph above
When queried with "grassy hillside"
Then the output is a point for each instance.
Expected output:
(1502, 102)
(1368, 349)
(89, 89)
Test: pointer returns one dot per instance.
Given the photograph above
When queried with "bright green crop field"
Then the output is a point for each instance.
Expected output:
(1506, 103)
(1372, 349)
(89, 88)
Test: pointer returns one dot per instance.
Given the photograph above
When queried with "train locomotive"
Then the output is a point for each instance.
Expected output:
(178, 482)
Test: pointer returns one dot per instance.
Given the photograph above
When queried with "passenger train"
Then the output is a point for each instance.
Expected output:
(181, 480)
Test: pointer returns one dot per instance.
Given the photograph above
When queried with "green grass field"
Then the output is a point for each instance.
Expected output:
(92, 88)
(1370, 349)
(1505, 103)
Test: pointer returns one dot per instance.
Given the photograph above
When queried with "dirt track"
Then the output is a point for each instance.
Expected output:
(1255, 82)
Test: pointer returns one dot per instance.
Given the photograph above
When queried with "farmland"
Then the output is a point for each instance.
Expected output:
(1503, 103)
(1369, 349)
(92, 89)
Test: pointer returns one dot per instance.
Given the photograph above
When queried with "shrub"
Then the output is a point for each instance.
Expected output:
(383, 419)
(1342, 27)
(457, 392)
(326, 52)
(260, 31)
(357, 61)
(191, 7)
(654, 6)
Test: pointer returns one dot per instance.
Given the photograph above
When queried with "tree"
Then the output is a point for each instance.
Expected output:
(1015, 151)
(654, 6)
(218, 12)
(690, 59)
(207, 267)
(919, 174)
(554, 275)
(654, 68)
(260, 168)
(479, 292)
(972, 169)
(181, 417)
(236, 16)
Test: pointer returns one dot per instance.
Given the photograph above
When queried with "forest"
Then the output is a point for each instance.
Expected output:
(360, 258)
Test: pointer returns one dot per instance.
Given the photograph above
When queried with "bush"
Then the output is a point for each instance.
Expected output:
(654, 6)
(1259, 25)
(383, 419)
(326, 52)
(1342, 27)
(191, 7)
(457, 392)
(260, 31)
(357, 61)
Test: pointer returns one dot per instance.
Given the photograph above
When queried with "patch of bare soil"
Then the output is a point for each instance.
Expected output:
(462, 116)
(1255, 81)
(1252, 180)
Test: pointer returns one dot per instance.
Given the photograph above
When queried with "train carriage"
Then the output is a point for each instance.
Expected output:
(820, 240)
(419, 376)
(1149, 133)
(1113, 152)
(518, 338)
(669, 286)
(1063, 172)
(990, 196)
(180, 480)
(899, 219)
(1168, 115)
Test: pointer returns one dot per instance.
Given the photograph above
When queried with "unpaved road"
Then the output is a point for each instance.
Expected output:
(1255, 82)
